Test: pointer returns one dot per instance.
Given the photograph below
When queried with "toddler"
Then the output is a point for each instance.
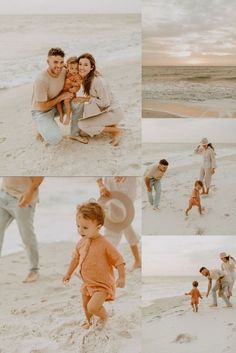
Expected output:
(72, 84)
(95, 258)
(195, 295)
(195, 197)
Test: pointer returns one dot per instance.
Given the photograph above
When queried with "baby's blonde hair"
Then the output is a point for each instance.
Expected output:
(91, 210)
(72, 60)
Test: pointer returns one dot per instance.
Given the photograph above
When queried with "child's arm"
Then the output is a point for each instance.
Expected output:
(121, 279)
(187, 293)
(103, 190)
(73, 264)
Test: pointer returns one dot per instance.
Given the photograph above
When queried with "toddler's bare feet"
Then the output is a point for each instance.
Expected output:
(31, 277)
(86, 325)
(137, 264)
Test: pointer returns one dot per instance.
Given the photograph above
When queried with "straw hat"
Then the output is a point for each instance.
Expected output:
(119, 211)
(223, 254)
(204, 141)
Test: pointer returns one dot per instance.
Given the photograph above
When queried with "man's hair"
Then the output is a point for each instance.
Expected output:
(195, 283)
(72, 60)
(92, 211)
(201, 269)
(56, 52)
(164, 162)
(198, 182)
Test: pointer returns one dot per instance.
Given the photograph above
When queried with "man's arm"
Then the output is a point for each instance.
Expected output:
(44, 106)
(209, 286)
(147, 182)
(27, 197)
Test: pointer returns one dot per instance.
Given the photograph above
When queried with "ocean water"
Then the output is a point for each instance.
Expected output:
(55, 213)
(190, 83)
(165, 287)
(26, 39)
(182, 154)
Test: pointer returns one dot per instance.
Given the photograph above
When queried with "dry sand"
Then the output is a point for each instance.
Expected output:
(170, 326)
(45, 316)
(21, 154)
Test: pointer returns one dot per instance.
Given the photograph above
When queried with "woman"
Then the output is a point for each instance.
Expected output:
(208, 164)
(100, 112)
(228, 266)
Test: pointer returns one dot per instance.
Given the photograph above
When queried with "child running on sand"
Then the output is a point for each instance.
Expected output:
(195, 198)
(195, 295)
(95, 257)
(72, 84)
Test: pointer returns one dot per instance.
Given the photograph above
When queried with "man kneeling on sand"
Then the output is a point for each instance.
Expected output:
(152, 179)
(221, 283)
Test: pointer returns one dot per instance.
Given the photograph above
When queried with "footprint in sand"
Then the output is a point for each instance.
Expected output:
(227, 215)
(125, 334)
(2, 139)
(200, 231)
(184, 338)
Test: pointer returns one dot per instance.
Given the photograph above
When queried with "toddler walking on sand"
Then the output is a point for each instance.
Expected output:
(95, 258)
(72, 84)
(195, 295)
(195, 199)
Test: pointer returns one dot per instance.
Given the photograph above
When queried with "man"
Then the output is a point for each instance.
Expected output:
(152, 179)
(47, 92)
(221, 284)
(18, 197)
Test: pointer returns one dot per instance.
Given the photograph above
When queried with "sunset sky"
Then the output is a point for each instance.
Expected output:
(185, 32)
(183, 256)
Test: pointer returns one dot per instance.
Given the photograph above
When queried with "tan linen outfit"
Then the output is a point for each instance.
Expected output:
(208, 163)
(102, 110)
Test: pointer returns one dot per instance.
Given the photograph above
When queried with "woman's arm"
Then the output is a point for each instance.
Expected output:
(102, 99)
(213, 159)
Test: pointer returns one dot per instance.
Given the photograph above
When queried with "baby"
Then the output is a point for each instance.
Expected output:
(95, 258)
(72, 84)
(195, 295)
(195, 197)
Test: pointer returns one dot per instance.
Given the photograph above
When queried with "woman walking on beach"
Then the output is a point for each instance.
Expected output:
(208, 164)
(228, 267)
(102, 112)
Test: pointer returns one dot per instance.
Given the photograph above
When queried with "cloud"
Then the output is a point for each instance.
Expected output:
(174, 29)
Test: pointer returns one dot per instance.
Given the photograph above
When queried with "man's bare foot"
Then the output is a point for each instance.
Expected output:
(213, 306)
(156, 208)
(136, 265)
(86, 325)
(116, 138)
(79, 139)
(83, 134)
(39, 137)
(31, 277)
(228, 306)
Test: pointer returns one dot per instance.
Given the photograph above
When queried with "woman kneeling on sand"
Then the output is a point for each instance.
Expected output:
(208, 163)
(102, 112)
(228, 266)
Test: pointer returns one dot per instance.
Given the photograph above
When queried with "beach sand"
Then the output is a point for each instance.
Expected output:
(45, 316)
(170, 326)
(155, 109)
(220, 206)
(21, 154)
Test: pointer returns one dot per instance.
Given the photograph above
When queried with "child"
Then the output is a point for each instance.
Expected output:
(72, 84)
(95, 256)
(195, 197)
(152, 179)
(195, 295)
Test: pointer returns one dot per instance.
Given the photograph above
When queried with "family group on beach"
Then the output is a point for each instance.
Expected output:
(95, 256)
(224, 282)
(155, 172)
(77, 93)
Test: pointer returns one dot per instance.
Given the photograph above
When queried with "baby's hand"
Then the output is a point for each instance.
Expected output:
(104, 192)
(120, 283)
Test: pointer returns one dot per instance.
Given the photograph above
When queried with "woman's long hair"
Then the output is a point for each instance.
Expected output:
(93, 73)
(210, 145)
